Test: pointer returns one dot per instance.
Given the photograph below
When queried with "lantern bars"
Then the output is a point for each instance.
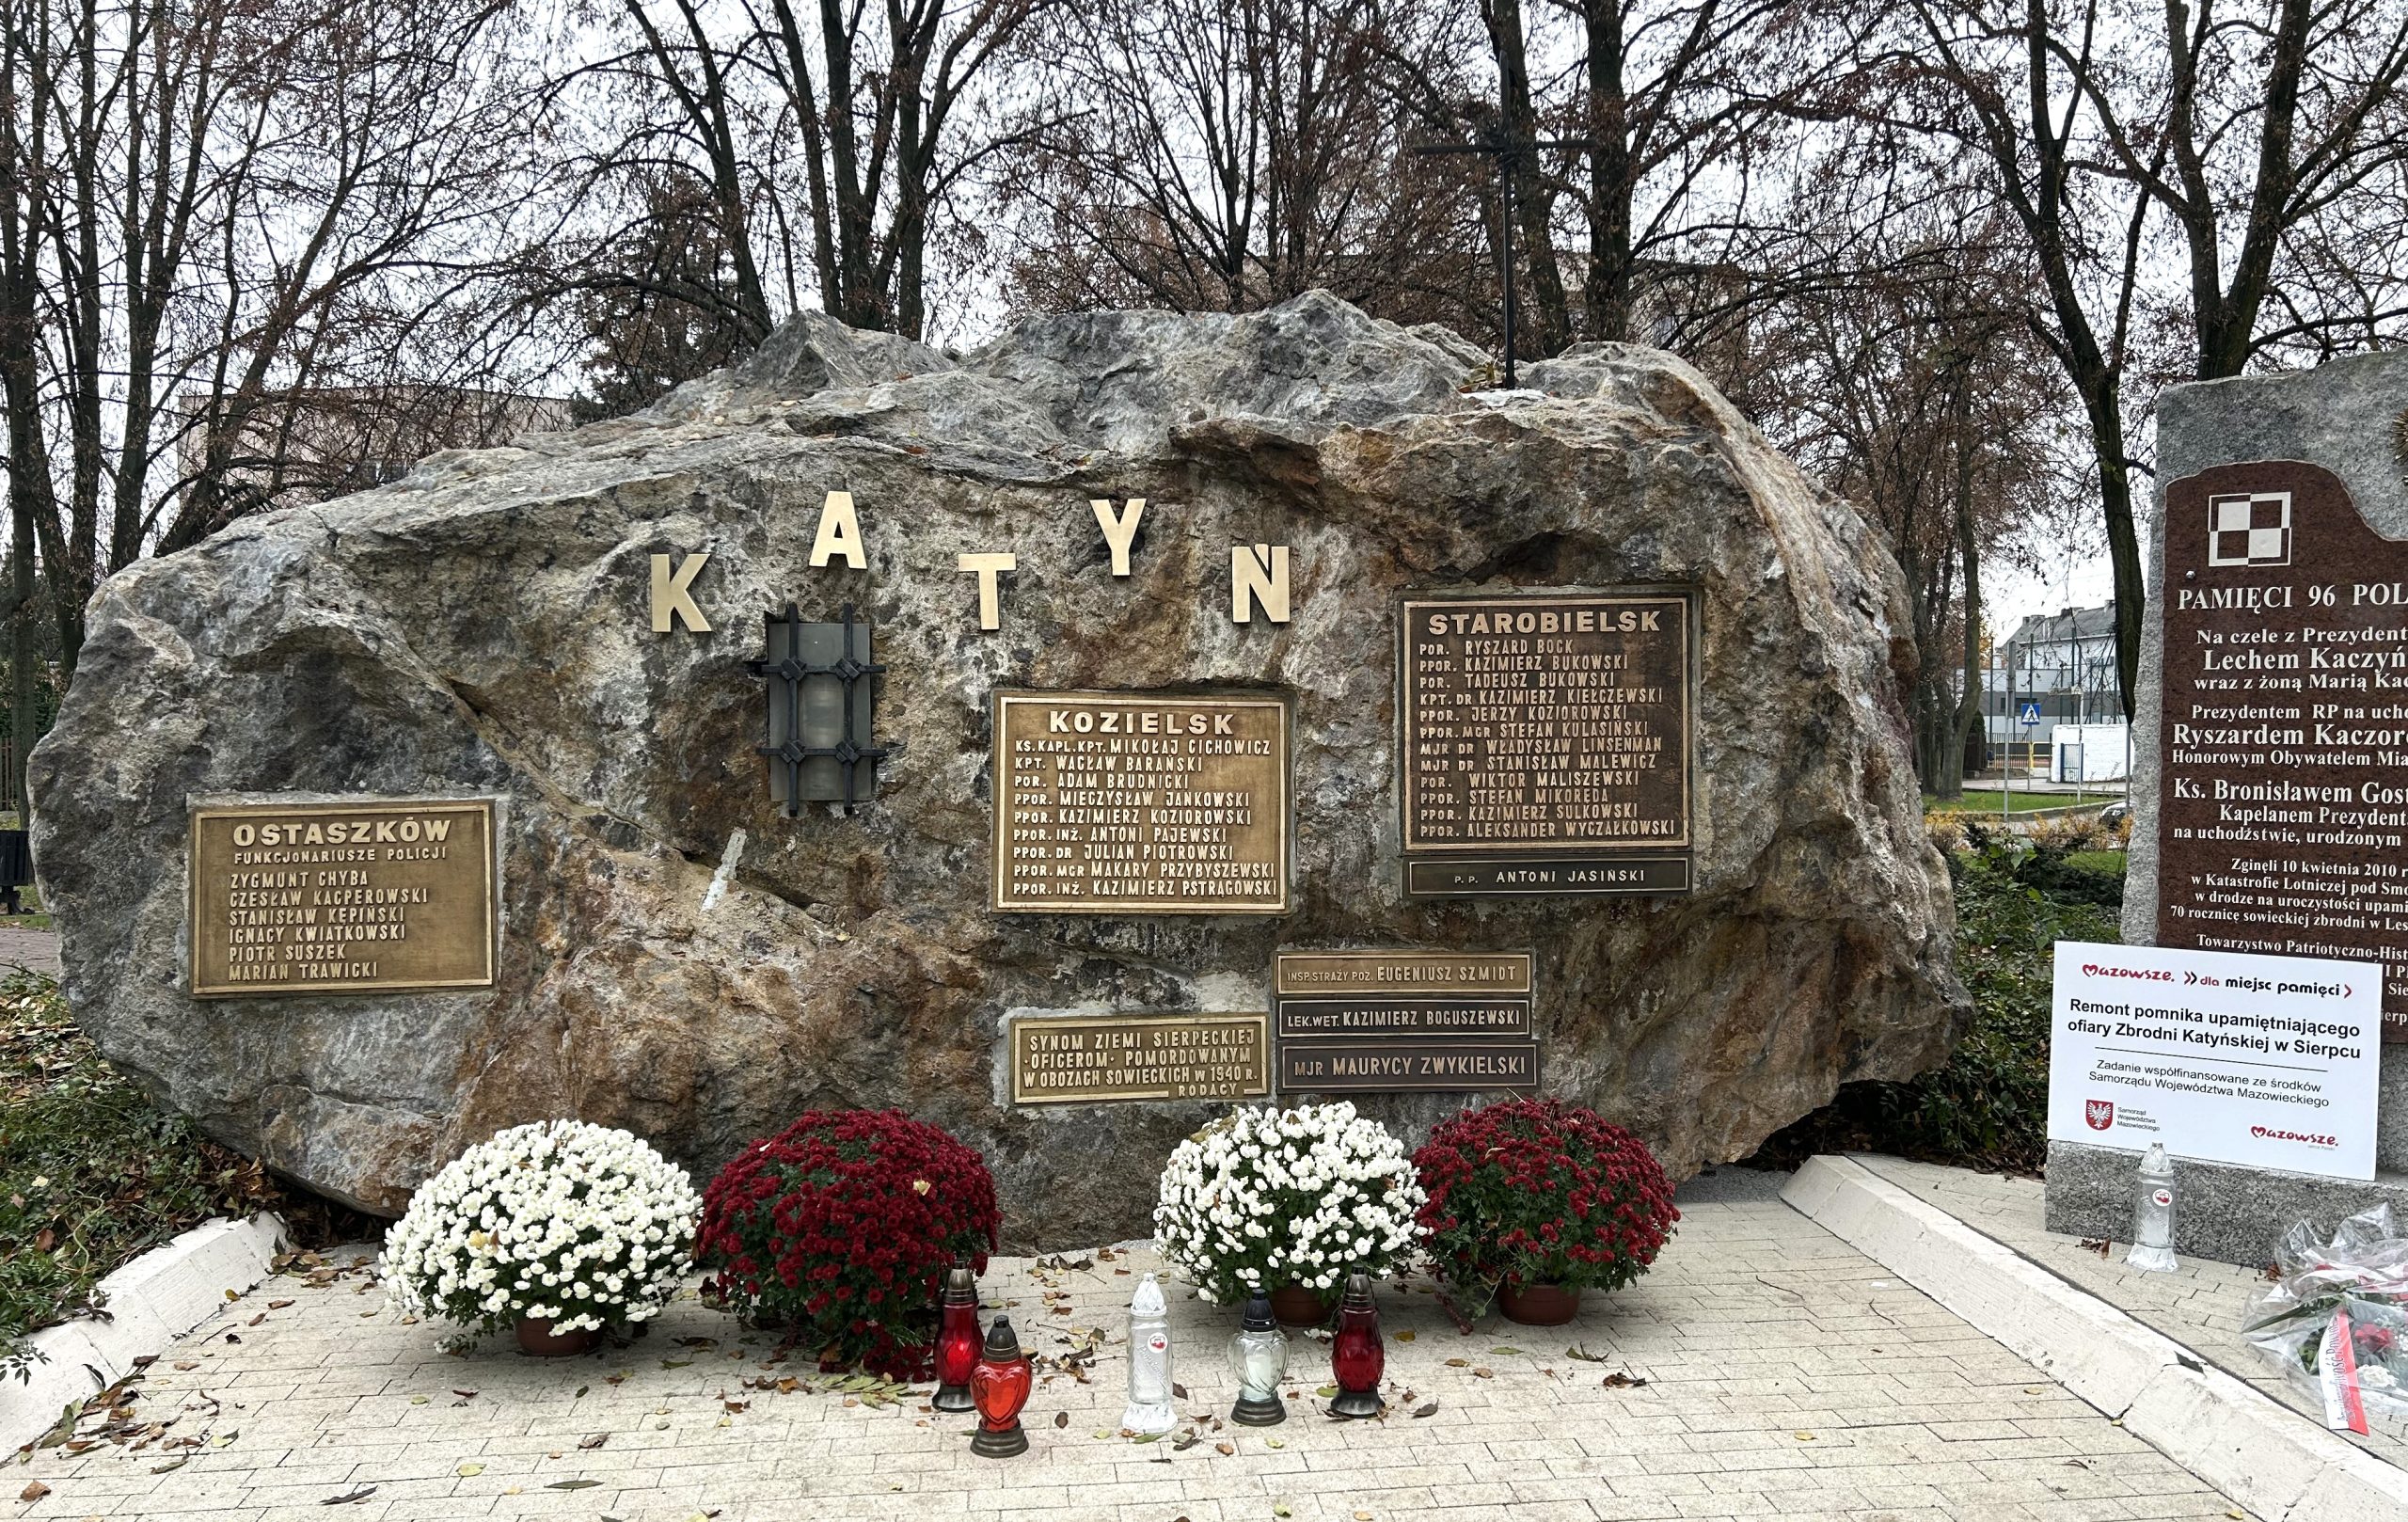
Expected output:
(818, 744)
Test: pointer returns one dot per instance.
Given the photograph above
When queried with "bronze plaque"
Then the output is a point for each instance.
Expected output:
(1546, 743)
(1355, 1021)
(1359, 1066)
(381, 895)
(1140, 803)
(1079, 1059)
(2282, 821)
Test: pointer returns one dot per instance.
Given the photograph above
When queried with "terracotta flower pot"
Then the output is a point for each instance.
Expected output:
(1295, 1305)
(1538, 1305)
(536, 1338)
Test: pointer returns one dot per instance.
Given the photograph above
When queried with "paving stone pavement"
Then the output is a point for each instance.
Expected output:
(2201, 1306)
(1785, 1376)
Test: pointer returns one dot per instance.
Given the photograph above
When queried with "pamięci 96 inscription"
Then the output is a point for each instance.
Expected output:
(344, 896)
(1546, 743)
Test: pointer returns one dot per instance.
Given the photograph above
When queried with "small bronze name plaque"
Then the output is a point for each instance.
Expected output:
(1352, 1067)
(1140, 803)
(1355, 1021)
(1073, 1059)
(382, 895)
(1546, 743)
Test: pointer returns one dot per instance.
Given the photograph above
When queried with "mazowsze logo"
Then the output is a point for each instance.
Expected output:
(2155, 974)
(2269, 1134)
(2099, 1114)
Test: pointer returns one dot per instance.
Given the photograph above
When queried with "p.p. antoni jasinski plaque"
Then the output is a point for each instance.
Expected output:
(373, 895)
(1140, 803)
(1546, 743)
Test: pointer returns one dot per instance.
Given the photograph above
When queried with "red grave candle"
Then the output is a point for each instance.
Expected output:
(1356, 1357)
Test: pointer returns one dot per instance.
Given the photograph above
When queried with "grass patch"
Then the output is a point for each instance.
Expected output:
(1988, 1106)
(91, 1173)
(1989, 802)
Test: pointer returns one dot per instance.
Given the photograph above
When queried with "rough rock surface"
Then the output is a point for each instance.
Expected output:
(482, 627)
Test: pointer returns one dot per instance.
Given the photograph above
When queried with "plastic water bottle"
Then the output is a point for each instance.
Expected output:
(2153, 1215)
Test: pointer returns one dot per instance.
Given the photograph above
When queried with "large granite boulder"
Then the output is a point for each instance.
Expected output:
(482, 627)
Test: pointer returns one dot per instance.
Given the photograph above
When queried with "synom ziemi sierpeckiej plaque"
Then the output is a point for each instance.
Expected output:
(1140, 803)
(1358, 1020)
(366, 895)
(1546, 740)
(2283, 740)
(1082, 1059)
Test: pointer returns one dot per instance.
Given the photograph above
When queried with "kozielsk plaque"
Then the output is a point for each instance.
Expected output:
(1084, 1061)
(1546, 740)
(1140, 803)
(381, 895)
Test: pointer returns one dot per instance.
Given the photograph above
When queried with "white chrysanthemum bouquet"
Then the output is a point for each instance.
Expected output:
(563, 1221)
(1268, 1198)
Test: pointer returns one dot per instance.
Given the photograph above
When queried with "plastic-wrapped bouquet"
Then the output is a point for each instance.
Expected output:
(1265, 1200)
(2336, 1320)
(559, 1222)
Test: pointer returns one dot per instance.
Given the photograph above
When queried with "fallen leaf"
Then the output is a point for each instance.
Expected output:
(1620, 1381)
(1225, 1448)
(1280, 1509)
(596, 1441)
(1406, 1335)
(1459, 1363)
(186, 1363)
(573, 1485)
(278, 1305)
(470, 1469)
(360, 1494)
(1178, 1392)
(173, 1465)
(1508, 1353)
(418, 1400)
(466, 1395)
(1429, 1410)
(1061, 1419)
(1584, 1354)
(1186, 1441)
(1362, 1516)
(1327, 1393)
(256, 1320)
(1276, 1442)
(1803, 1436)
(1484, 1374)
(34, 1491)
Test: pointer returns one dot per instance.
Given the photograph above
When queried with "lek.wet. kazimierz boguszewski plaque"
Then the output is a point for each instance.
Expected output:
(1140, 803)
(370, 896)
(1546, 743)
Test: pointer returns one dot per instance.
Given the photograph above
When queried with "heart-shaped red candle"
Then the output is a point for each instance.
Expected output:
(999, 1385)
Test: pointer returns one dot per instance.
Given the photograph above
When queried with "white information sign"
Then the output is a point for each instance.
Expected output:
(2270, 1062)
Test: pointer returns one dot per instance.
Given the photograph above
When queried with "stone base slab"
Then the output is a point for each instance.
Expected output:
(2276, 1461)
(2222, 1212)
(150, 1302)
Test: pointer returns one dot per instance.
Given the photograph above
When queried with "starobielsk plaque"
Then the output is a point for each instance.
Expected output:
(369, 895)
(1547, 741)
(1140, 803)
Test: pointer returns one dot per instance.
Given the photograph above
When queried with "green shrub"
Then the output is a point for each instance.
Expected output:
(1988, 1105)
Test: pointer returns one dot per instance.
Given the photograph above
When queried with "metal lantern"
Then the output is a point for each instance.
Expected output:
(1258, 1359)
(1150, 1393)
(999, 1387)
(958, 1338)
(818, 743)
(1356, 1357)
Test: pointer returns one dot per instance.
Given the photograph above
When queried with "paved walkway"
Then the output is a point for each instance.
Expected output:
(1763, 1370)
(36, 950)
(2201, 1306)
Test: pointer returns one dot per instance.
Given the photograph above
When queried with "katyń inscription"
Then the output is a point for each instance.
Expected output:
(2282, 746)
(375, 895)
(1546, 745)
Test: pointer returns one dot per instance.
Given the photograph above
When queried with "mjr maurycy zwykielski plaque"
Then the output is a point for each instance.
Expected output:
(1079, 1059)
(1141, 803)
(342, 897)
(2283, 741)
(1358, 1020)
(1546, 743)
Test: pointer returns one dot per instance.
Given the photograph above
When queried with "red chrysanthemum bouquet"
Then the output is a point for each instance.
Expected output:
(1532, 1193)
(842, 1228)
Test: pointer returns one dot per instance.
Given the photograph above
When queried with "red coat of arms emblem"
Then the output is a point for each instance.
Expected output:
(2099, 1112)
